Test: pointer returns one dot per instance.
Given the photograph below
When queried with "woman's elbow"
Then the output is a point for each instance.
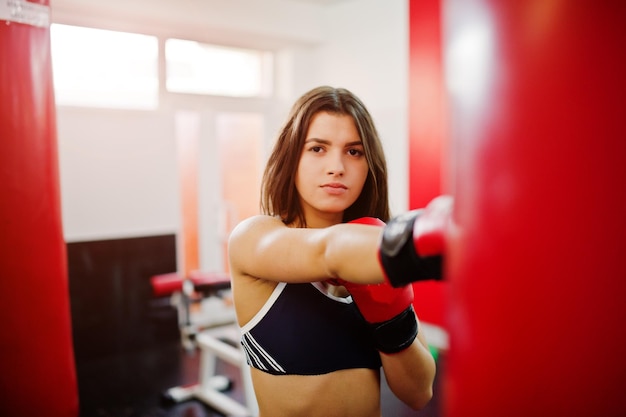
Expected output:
(419, 400)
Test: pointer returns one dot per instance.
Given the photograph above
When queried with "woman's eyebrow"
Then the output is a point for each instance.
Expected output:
(323, 141)
(327, 142)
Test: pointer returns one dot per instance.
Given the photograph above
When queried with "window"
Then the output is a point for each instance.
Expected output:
(102, 68)
(198, 68)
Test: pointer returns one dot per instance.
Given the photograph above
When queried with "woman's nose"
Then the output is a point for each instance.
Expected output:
(335, 165)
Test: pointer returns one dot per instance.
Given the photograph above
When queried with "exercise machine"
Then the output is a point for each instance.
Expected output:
(202, 300)
(207, 322)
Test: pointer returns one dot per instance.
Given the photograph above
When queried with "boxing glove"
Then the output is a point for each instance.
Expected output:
(388, 311)
(413, 243)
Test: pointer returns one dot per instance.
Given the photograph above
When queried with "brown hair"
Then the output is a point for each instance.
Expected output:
(279, 196)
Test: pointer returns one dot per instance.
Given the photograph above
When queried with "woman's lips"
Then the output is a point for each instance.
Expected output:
(334, 188)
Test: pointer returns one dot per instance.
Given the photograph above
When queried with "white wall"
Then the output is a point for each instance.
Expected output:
(118, 169)
(118, 172)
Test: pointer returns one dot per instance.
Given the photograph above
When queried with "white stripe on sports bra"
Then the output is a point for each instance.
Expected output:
(266, 307)
(252, 347)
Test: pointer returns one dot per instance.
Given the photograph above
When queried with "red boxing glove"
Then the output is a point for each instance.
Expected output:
(388, 310)
(413, 244)
(429, 231)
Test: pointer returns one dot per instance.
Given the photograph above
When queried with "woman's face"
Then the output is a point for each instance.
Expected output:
(332, 169)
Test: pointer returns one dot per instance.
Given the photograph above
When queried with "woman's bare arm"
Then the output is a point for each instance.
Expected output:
(410, 373)
(263, 247)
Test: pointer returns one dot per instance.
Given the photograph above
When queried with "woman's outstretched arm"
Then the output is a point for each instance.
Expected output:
(263, 247)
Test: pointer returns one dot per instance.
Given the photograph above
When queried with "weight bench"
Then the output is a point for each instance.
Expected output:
(207, 290)
(214, 331)
(214, 344)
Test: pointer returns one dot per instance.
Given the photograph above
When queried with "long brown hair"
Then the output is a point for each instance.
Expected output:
(279, 196)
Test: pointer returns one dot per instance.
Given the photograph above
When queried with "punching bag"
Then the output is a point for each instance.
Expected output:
(37, 371)
(537, 270)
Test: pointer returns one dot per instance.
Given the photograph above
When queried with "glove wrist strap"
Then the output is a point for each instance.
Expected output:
(396, 334)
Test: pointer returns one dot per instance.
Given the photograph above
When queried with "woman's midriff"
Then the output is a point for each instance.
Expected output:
(345, 393)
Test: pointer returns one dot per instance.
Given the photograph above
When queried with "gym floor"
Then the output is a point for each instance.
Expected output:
(132, 384)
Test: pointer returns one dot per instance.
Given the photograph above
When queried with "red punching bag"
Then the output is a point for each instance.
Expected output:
(37, 371)
(537, 275)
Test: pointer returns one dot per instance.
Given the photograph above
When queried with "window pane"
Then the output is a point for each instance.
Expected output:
(194, 67)
(102, 68)
(240, 153)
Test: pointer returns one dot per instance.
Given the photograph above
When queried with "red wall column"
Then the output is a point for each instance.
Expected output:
(427, 130)
(537, 275)
(37, 375)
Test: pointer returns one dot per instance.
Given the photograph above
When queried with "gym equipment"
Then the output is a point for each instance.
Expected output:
(536, 271)
(202, 300)
(212, 329)
(37, 376)
(220, 343)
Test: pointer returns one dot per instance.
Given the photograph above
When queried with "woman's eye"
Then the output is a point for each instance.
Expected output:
(316, 149)
(355, 152)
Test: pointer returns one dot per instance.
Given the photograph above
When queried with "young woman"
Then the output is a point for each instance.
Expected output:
(314, 331)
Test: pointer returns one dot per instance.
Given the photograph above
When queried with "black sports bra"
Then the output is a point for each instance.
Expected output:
(304, 330)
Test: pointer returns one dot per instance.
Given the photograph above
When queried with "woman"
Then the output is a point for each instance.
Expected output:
(314, 351)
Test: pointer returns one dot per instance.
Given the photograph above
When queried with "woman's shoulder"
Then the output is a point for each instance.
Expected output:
(257, 221)
(254, 226)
